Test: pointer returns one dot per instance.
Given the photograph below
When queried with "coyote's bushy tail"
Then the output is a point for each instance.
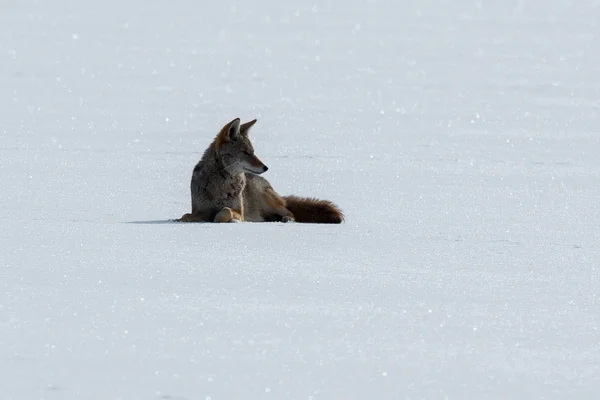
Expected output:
(311, 210)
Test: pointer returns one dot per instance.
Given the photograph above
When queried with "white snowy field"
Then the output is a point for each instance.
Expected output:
(461, 139)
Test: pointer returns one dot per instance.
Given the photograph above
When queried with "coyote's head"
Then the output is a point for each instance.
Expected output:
(235, 150)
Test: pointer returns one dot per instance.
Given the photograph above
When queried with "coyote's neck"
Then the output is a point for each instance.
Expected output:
(224, 182)
(224, 172)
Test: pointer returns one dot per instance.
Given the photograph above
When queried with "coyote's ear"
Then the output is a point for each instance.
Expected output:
(232, 130)
(246, 127)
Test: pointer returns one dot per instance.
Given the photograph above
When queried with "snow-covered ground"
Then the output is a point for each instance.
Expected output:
(461, 139)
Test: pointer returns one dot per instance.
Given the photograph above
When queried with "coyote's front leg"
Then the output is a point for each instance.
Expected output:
(196, 216)
(228, 215)
(231, 213)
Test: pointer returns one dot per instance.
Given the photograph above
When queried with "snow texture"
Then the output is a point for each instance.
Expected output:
(460, 138)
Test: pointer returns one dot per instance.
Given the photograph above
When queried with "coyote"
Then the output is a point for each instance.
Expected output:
(226, 187)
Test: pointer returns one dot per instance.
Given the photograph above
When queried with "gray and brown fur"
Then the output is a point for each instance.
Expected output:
(225, 186)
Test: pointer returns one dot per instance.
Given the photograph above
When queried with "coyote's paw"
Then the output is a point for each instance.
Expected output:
(228, 215)
(288, 219)
(189, 218)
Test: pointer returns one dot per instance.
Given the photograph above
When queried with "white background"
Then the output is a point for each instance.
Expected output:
(460, 138)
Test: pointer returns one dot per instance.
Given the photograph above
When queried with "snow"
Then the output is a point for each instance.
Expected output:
(459, 137)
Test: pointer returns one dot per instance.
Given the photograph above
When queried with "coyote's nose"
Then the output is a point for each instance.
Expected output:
(265, 168)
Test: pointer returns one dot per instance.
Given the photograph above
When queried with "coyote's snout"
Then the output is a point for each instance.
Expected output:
(225, 186)
(254, 165)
